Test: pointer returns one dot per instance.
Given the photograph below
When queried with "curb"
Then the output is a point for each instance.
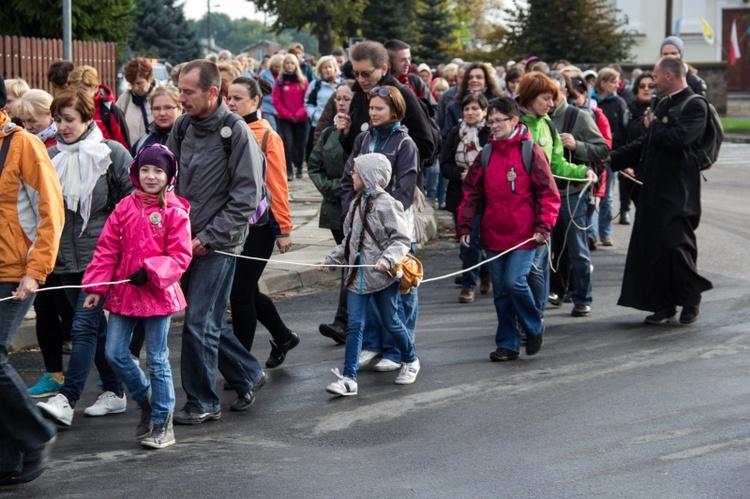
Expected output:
(737, 138)
(273, 281)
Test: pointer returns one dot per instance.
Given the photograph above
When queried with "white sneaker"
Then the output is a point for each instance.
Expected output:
(408, 374)
(366, 356)
(386, 365)
(344, 386)
(58, 409)
(107, 403)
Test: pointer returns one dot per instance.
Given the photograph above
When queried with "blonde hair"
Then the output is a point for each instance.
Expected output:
(605, 75)
(230, 68)
(332, 60)
(166, 91)
(33, 104)
(84, 75)
(17, 87)
(276, 61)
(297, 71)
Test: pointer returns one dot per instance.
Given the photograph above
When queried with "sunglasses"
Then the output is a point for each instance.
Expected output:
(364, 74)
(380, 91)
(643, 86)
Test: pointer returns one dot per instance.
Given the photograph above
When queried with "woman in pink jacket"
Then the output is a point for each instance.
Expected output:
(289, 101)
(146, 240)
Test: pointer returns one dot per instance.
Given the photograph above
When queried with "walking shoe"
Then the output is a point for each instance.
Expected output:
(521, 331)
(554, 300)
(689, 314)
(243, 402)
(625, 218)
(408, 374)
(34, 463)
(161, 436)
(607, 241)
(485, 285)
(335, 331)
(581, 311)
(466, 296)
(386, 365)
(365, 356)
(186, 417)
(279, 351)
(503, 354)
(107, 403)
(45, 387)
(289, 178)
(662, 316)
(534, 343)
(592, 243)
(144, 425)
(260, 384)
(57, 409)
(343, 386)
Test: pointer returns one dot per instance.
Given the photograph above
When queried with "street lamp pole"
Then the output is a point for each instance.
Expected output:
(67, 30)
(208, 25)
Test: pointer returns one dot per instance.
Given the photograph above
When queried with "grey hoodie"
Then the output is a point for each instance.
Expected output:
(223, 194)
(387, 222)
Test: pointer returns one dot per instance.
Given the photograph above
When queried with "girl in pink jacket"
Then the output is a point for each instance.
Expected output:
(147, 240)
(289, 101)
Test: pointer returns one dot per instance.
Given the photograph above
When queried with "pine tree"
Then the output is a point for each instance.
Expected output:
(437, 32)
(161, 30)
(390, 19)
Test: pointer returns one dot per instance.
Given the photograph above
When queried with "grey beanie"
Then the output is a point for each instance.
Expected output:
(677, 42)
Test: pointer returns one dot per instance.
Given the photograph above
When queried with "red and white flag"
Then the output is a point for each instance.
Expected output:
(734, 45)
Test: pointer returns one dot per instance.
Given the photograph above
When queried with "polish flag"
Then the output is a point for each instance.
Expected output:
(734, 45)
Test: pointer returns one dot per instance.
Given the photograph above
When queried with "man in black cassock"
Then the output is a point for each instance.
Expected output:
(660, 270)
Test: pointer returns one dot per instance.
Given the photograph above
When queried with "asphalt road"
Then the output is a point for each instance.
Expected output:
(609, 407)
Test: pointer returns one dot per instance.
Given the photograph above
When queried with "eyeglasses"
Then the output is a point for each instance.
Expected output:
(364, 74)
(165, 109)
(643, 86)
(380, 91)
(498, 121)
(342, 99)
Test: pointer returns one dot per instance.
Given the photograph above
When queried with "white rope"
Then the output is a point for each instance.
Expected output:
(282, 262)
(631, 178)
(72, 286)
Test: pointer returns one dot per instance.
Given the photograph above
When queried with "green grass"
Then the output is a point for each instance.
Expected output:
(736, 125)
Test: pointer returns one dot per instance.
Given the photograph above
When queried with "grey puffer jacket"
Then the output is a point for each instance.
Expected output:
(386, 221)
(76, 248)
(223, 192)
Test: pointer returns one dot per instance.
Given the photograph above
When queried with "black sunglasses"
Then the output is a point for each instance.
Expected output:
(380, 91)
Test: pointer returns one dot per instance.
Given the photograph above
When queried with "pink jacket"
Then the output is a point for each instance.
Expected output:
(289, 100)
(153, 238)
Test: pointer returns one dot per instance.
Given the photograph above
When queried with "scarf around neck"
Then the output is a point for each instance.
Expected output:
(468, 146)
(79, 166)
(48, 132)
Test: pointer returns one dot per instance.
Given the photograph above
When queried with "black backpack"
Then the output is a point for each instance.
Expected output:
(527, 150)
(706, 148)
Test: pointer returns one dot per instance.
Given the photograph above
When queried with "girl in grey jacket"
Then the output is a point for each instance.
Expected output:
(377, 237)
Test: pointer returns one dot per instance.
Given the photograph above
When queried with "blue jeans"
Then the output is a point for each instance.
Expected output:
(386, 302)
(605, 205)
(22, 428)
(208, 341)
(592, 220)
(431, 174)
(577, 245)
(89, 336)
(513, 298)
(119, 333)
(473, 255)
(539, 277)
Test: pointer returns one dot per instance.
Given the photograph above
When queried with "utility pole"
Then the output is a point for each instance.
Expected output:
(208, 26)
(67, 30)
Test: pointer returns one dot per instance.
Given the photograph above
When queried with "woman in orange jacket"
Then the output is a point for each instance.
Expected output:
(249, 305)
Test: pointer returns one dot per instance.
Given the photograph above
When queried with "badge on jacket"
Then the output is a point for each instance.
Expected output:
(155, 218)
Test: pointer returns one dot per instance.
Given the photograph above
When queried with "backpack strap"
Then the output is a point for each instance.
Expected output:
(486, 153)
(327, 134)
(264, 142)
(181, 131)
(527, 155)
(4, 150)
(229, 120)
(312, 99)
(571, 114)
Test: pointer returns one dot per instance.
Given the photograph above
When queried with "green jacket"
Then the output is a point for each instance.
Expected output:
(325, 167)
(590, 145)
(553, 148)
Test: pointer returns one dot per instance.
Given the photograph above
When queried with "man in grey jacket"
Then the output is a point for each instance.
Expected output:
(222, 185)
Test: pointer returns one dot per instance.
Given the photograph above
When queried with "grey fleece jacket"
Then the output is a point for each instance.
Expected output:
(387, 222)
(223, 193)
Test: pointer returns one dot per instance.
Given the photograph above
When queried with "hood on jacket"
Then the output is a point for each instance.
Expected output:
(104, 94)
(375, 171)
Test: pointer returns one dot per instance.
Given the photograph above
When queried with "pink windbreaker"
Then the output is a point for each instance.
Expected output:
(289, 100)
(133, 237)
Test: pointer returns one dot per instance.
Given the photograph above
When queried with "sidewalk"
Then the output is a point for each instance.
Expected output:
(310, 244)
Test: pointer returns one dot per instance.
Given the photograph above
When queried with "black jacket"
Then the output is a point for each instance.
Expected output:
(451, 170)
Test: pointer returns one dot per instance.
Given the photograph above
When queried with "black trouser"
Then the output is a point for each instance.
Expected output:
(626, 187)
(249, 305)
(54, 317)
(293, 135)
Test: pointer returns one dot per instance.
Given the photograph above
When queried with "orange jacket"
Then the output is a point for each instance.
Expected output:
(275, 174)
(31, 207)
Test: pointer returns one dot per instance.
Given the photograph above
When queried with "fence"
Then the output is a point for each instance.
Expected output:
(29, 58)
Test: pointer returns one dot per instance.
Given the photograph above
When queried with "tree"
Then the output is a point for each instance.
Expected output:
(577, 30)
(328, 21)
(437, 31)
(388, 19)
(92, 20)
(161, 30)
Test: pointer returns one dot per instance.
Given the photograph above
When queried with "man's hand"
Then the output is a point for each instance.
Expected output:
(283, 243)
(568, 141)
(26, 288)
(343, 123)
(464, 240)
(198, 248)
(648, 117)
(91, 301)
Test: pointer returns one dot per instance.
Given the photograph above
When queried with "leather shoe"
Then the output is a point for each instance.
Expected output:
(34, 463)
(503, 354)
(689, 314)
(466, 296)
(662, 316)
(534, 343)
(625, 218)
(186, 417)
(243, 402)
(279, 350)
(335, 331)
